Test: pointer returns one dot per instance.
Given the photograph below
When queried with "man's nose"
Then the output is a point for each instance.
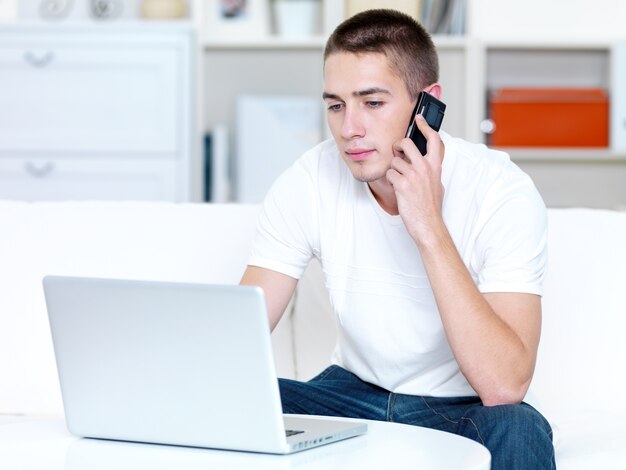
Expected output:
(352, 125)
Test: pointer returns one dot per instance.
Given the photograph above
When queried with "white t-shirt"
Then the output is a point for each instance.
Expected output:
(390, 331)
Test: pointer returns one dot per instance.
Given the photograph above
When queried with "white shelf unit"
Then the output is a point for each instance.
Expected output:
(96, 111)
(566, 177)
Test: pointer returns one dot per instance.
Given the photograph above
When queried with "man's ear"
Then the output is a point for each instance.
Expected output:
(434, 89)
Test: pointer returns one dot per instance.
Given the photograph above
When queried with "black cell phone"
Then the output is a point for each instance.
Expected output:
(433, 110)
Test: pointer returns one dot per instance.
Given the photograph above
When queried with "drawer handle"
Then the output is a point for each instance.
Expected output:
(40, 61)
(39, 171)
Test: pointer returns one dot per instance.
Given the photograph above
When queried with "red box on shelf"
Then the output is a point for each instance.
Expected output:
(550, 117)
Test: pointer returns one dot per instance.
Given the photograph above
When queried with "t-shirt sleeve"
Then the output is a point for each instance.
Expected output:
(512, 241)
(286, 238)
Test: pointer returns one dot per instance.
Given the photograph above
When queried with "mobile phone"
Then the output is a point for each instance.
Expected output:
(433, 110)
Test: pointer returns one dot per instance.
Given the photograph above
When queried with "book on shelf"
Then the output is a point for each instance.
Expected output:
(437, 16)
(216, 165)
(444, 16)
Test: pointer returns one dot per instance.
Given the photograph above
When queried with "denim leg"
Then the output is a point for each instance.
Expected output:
(443, 414)
(334, 392)
(517, 436)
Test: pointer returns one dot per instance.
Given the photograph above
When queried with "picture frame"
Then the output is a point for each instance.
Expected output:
(232, 20)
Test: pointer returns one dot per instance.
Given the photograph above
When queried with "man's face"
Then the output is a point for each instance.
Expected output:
(368, 109)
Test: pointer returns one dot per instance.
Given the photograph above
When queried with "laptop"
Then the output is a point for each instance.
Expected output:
(173, 363)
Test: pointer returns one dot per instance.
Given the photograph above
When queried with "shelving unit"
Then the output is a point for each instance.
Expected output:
(565, 176)
(503, 48)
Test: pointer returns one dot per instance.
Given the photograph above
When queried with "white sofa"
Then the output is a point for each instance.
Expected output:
(580, 375)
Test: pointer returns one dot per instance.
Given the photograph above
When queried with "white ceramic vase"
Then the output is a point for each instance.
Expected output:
(297, 18)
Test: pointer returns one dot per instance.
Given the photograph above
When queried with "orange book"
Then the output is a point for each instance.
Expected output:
(550, 117)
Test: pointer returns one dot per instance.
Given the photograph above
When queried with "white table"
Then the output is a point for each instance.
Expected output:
(29, 443)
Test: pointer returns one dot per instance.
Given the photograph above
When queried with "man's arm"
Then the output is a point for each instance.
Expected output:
(494, 337)
(277, 287)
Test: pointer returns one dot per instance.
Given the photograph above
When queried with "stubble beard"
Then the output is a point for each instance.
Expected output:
(361, 173)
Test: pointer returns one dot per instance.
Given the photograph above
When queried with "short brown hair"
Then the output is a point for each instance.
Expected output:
(406, 44)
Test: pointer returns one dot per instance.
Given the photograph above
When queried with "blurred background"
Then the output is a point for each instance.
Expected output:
(190, 100)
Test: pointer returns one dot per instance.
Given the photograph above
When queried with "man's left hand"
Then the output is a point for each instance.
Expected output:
(416, 181)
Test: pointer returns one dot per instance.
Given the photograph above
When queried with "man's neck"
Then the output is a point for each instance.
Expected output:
(385, 195)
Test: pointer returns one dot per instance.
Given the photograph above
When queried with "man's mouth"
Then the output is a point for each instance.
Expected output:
(358, 154)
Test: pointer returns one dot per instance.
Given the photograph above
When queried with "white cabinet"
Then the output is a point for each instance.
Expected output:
(96, 112)
(35, 179)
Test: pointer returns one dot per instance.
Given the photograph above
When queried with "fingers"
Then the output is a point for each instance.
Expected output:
(405, 170)
(406, 149)
(424, 127)
(392, 176)
(434, 145)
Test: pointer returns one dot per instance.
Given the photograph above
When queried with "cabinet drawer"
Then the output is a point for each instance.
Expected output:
(90, 94)
(69, 179)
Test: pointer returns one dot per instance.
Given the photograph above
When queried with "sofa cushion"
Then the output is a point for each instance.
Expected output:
(153, 241)
(584, 314)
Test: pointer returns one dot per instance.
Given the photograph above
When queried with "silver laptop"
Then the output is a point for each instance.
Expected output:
(171, 363)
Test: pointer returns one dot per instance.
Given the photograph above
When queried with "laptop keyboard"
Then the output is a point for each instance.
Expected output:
(291, 432)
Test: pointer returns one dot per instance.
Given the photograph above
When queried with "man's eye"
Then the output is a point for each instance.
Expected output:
(334, 107)
(374, 104)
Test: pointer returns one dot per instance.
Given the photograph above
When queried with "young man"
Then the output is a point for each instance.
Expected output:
(434, 263)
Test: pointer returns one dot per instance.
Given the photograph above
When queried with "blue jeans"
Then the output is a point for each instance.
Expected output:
(517, 436)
